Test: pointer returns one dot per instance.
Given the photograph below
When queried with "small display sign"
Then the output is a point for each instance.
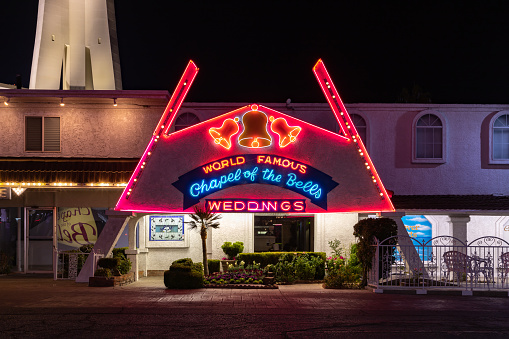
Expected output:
(167, 228)
(5, 193)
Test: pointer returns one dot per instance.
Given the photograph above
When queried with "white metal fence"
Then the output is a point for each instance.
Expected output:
(69, 263)
(443, 262)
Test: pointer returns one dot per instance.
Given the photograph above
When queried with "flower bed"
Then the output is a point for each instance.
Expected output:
(235, 277)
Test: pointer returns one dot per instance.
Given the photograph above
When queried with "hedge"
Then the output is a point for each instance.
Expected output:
(266, 258)
(184, 274)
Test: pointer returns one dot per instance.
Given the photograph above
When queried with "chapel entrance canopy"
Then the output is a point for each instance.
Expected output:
(255, 159)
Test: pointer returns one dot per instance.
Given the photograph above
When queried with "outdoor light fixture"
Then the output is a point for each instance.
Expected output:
(62, 102)
(18, 190)
(6, 102)
(115, 102)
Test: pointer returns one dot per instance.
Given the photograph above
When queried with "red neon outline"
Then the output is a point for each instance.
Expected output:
(177, 98)
(285, 140)
(219, 139)
(244, 126)
(323, 77)
(175, 101)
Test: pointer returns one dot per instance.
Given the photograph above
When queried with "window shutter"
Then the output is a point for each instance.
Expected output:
(52, 134)
(33, 134)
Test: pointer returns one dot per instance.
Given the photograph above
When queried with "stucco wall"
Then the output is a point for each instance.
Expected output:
(86, 129)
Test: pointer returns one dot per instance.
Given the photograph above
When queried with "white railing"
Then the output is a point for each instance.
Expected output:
(69, 263)
(443, 262)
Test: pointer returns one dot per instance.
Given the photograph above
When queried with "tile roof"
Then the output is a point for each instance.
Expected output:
(75, 170)
(451, 202)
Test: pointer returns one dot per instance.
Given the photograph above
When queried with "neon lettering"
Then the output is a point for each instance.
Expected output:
(285, 206)
(219, 165)
(251, 175)
(214, 205)
(268, 205)
(239, 205)
(298, 206)
(227, 205)
(252, 206)
(292, 181)
(268, 174)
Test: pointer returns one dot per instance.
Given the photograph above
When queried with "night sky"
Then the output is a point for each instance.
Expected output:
(456, 51)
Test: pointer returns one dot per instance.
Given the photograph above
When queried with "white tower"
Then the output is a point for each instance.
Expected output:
(76, 40)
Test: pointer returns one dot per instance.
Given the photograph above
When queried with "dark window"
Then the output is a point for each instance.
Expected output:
(501, 138)
(360, 126)
(185, 120)
(428, 138)
(42, 134)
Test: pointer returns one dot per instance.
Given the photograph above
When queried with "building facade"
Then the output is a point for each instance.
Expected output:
(448, 163)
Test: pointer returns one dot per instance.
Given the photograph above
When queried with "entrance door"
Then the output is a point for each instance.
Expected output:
(283, 233)
(40, 226)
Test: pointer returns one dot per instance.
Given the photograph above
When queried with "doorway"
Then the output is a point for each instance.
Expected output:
(284, 233)
(40, 225)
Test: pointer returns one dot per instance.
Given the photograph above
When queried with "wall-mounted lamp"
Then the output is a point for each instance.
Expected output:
(18, 190)
(115, 102)
(6, 101)
(62, 102)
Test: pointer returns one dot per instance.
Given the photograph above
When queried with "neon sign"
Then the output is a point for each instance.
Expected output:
(256, 205)
(255, 133)
(223, 135)
(255, 169)
(287, 134)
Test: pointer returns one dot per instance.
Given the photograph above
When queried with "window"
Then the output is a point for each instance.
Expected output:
(429, 139)
(185, 120)
(42, 134)
(360, 125)
(500, 138)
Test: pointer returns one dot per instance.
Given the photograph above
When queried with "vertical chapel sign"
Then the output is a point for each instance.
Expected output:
(255, 159)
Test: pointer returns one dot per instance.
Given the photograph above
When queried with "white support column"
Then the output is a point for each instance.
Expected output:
(132, 252)
(406, 246)
(106, 241)
(459, 226)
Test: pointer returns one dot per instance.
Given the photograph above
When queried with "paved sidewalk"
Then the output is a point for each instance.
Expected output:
(41, 307)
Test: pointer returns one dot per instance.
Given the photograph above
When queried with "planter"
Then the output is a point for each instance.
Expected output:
(225, 263)
(113, 281)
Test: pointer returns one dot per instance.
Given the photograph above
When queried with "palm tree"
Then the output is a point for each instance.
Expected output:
(203, 219)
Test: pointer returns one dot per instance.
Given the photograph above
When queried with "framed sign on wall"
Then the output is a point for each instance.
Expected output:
(167, 231)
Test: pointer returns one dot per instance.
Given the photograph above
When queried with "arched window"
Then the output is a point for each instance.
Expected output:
(360, 125)
(185, 120)
(429, 139)
(500, 137)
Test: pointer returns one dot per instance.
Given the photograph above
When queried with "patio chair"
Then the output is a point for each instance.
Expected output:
(503, 269)
(457, 263)
(461, 265)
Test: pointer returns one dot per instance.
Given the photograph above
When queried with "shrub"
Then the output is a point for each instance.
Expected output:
(184, 274)
(103, 272)
(272, 258)
(5, 263)
(214, 265)
(366, 231)
(125, 266)
(231, 250)
(109, 263)
(304, 267)
(340, 272)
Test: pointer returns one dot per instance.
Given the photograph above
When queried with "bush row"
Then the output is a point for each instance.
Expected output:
(272, 258)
